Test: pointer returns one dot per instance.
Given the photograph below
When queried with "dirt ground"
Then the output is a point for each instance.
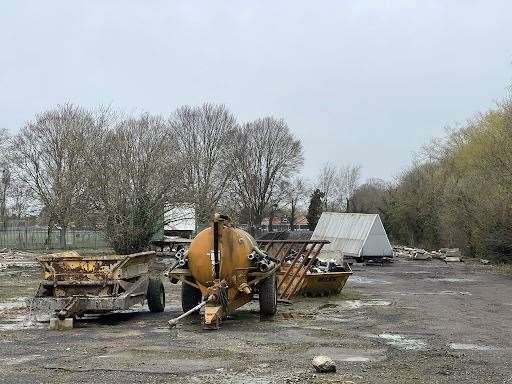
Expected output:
(407, 322)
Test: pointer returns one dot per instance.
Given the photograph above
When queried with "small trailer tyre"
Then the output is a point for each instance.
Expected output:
(268, 296)
(190, 296)
(156, 295)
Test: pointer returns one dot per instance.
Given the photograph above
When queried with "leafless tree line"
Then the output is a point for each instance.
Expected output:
(98, 168)
(338, 183)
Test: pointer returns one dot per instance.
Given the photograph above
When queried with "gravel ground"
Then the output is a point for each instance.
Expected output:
(407, 322)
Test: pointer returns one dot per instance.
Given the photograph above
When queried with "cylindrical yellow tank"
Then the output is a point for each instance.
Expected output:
(226, 265)
(234, 247)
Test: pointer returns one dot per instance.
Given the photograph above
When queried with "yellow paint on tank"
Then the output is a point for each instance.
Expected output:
(234, 247)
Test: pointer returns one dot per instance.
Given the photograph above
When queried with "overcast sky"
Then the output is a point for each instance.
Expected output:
(364, 82)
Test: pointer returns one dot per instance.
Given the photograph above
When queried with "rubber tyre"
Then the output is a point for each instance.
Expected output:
(156, 295)
(268, 296)
(190, 297)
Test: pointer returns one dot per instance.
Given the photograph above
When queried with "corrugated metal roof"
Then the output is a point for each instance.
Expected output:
(352, 234)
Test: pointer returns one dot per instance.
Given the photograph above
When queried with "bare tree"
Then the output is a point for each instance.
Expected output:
(51, 155)
(329, 182)
(296, 193)
(266, 154)
(21, 200)
(135, 178)
(204, 138)
(338, 184)
(5, 176)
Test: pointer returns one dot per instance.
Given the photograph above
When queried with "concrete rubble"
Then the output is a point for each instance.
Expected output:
(444, 254)
(324, 364)
(16, 259)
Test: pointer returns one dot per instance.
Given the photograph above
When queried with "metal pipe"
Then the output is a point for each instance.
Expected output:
(172, 323)
(263, 254)
(216, 261)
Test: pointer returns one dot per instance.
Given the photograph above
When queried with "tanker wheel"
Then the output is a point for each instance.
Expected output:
(268, 296)
(190, 296)
(155, 295)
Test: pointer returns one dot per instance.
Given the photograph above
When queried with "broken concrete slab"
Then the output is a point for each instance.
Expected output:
(452, 259)
(324, 364)
(57, 324)
(422, 255)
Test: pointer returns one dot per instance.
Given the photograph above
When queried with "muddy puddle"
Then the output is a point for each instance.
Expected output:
(449, 293)
(20, 322)
(471, 347)
(453, 280)
(352, 304)
(13, 304)
(402, 342)
(366, 280)
(348, 355)
(14, 315)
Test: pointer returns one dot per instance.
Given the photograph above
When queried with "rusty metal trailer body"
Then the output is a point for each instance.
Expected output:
(73, 285)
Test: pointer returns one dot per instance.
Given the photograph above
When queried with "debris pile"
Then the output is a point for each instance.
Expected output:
(445, 254)
(322, 266)
(16, 259)
(318, 265)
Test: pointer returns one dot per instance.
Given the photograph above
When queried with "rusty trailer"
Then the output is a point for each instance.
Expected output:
(73, 285)
(296, 274)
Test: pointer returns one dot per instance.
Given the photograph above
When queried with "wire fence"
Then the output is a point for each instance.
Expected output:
(37, 238)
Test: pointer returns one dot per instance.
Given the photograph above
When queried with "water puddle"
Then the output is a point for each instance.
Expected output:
(402, 342)
(449, 293)
(19, 323)
(355, 359)
(471, 347)
(355, 304)
(366, 280)
(349, 355)
(18, 303)
(453, 280)
(20, 359)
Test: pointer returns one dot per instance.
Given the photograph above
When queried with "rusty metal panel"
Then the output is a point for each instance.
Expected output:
(73, 267)
(296, 257)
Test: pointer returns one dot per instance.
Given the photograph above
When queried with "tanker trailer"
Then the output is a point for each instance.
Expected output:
(221, 271)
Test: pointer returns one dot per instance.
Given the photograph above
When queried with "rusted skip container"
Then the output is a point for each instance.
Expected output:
(297, 274)
(311, 283)
(324, 284)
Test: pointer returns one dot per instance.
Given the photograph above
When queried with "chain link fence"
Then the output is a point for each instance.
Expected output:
(37, 238)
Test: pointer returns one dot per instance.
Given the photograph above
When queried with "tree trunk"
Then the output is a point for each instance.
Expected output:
(271, 221)
(292, 217)
(4, 206)
(48, 240)
(62, 238)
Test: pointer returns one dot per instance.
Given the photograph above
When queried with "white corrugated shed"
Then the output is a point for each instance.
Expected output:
(352, 234)
(180, 219)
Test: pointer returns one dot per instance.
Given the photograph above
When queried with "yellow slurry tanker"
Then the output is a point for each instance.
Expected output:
(221, 271)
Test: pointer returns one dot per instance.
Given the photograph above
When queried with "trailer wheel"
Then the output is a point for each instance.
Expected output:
(268, 296)
(156, 295)
(190, 296)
